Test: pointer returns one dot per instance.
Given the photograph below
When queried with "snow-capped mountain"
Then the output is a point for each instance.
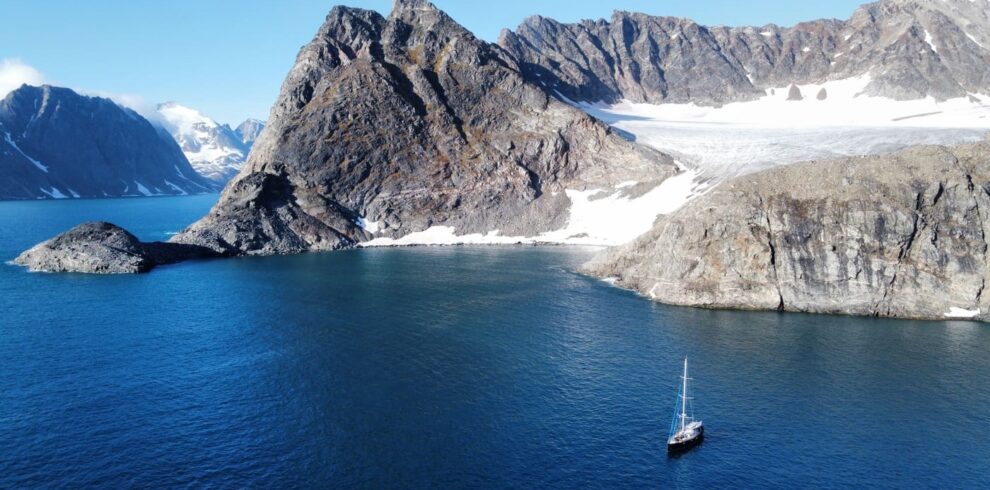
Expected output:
(249, 130)
(215, 150)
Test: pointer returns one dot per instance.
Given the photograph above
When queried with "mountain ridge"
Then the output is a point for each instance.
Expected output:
(893, 41)
(57, 143)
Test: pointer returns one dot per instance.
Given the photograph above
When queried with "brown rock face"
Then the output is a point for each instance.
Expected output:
(410, 122)
(894, 236)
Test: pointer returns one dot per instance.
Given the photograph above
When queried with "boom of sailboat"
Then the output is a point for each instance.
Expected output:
(685, 431)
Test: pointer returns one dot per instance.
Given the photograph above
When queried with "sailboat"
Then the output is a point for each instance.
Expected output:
(685, 431)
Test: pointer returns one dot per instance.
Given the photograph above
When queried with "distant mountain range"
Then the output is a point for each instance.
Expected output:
(908, 49)
(215, 150)
(55, 143)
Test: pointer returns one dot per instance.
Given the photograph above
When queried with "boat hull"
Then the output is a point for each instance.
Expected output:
(686, 444)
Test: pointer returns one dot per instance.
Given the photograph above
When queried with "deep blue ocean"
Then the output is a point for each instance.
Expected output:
(451, 368)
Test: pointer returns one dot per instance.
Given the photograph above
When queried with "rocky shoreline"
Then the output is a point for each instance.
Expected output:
(392, 126)
(900, 236)
(105, 248)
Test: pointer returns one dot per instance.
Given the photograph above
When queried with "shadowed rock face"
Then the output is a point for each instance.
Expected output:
(894, 236)
(910, 48)
(410, 121)
(103, 248)
(57, 143)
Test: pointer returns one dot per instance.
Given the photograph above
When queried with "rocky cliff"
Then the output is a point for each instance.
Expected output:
(909, 48)
(893, 236)
(387, 126)
(55, 143)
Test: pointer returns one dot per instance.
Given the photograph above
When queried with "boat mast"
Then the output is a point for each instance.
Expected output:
(684, 396)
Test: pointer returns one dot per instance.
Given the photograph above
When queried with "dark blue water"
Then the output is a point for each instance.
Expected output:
(452, 367)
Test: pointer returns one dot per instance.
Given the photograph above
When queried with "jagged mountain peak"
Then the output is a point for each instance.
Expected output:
(390, 126)
(423, 5)
(909, 49)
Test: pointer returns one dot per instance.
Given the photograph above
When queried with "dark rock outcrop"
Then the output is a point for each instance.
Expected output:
(56, 143)
(894, 236)
(910, 48)
(103, 248)
(410, 122)
(794, 93)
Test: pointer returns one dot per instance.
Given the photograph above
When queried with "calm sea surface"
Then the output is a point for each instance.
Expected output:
(452, 367)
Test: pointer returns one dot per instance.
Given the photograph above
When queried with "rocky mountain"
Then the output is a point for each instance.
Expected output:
(388, 126)
(215, 150)
(395, 130)
(903, 235)
(249, 131)
(909, 49)
(55, 143)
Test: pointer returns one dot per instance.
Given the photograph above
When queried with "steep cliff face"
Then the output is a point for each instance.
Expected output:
(910, 48)
(55, 143)
(388, 126)
(894, 236)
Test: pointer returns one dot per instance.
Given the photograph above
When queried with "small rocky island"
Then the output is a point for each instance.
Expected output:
(104, 248)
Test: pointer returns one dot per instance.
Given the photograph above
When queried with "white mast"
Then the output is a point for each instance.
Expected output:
(684, 396)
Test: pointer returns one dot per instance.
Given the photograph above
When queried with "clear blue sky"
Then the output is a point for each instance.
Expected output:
(227, 58)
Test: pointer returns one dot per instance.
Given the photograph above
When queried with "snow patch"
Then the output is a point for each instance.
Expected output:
(177, 188)
(971, 38)
(596, 220)
(368, 226)
(36, 163)
(955, 312)
(54, 193)
(928, 39)
(142, 189)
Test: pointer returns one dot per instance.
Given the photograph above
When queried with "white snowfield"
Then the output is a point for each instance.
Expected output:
(746, 137)
(716, 144)
(598, 217)
(955, 312)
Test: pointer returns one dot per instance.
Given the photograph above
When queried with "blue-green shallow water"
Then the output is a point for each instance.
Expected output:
(452, 367)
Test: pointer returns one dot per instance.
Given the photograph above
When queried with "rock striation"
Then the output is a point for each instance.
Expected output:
(409, 122)
(55, 143)
(103, 248)
(903, 235)
(909, 48)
